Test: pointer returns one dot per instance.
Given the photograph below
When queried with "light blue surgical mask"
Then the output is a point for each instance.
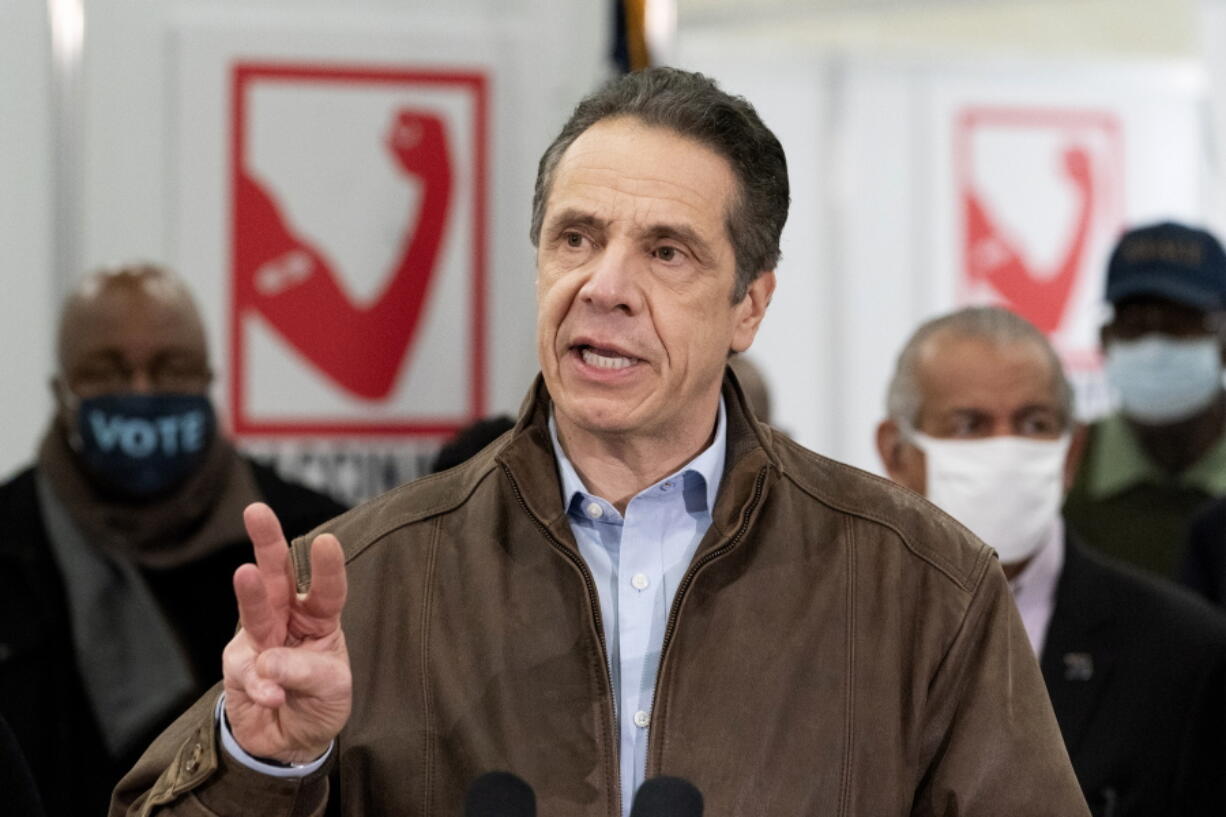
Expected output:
(1161, 379)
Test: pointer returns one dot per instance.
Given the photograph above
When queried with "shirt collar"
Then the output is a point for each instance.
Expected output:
(1118, 462)
(709, 464)
(1034, 589)
(1037, 581)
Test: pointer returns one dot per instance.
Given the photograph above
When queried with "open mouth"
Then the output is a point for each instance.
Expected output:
(604, 358)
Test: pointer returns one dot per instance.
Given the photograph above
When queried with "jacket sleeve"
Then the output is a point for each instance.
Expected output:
(992, 740)
(186, 773)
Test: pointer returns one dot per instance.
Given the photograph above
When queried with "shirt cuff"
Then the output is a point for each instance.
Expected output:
(235, 751)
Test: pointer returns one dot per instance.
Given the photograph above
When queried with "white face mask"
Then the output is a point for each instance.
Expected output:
(1163, 380)
(1007, 490)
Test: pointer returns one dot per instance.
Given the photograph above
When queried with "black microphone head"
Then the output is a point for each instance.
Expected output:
(667, 797)
(499, 794)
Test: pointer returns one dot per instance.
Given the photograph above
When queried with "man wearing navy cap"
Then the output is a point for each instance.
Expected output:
(1151, 465)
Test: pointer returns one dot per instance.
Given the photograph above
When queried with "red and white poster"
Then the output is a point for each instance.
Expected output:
(1039, 198)
(358, 281)
(350, 199)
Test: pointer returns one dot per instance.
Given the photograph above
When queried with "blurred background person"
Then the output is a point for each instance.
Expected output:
(121, 539)
(469, 440)
(17, 790)
(1152, 464)
(980, 422)
(1204, 563)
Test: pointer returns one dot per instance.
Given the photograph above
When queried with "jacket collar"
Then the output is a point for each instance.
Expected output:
(529, 460)
(1117, 462)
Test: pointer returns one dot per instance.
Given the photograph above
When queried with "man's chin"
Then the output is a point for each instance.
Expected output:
(598, 416)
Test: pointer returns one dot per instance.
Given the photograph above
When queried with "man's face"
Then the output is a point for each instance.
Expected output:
(635, 274)
(1141, 315)
(135, 336)
(972, 389)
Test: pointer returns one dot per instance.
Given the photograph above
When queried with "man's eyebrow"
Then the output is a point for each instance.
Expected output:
(964, 409)
(683, 233)
(573, 217)
(1040, 408)
(105, 354)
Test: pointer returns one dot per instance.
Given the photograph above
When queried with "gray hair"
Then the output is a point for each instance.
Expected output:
(693, 106)
(1001, 327)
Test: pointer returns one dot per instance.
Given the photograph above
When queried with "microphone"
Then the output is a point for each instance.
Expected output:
(667, 797)
(499, 794)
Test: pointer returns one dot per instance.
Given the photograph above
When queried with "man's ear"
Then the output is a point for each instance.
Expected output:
(1076, 451)
(752, 309)
(889, 447)
(59, 392)
(904, 463)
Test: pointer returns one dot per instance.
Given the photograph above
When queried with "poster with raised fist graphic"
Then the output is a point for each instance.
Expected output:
(1034, 173)
(1039, 200)
(349, 195)
(358, 254)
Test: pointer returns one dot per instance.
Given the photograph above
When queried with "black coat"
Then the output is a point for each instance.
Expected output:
(1136, 671)
(1204, 564)
(41, 691)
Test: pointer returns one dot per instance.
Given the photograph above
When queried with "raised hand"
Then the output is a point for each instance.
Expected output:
(287, 678)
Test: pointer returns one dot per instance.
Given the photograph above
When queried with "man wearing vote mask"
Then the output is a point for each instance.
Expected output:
(120, 541)
(1162, 456)
(639, 578)
(980, 422)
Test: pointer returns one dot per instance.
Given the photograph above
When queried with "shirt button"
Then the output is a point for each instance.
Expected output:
(594, 510)
(641, 719)
(667, 486)
(639, 581)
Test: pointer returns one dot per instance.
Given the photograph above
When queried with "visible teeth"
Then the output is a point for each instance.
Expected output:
(594, 358)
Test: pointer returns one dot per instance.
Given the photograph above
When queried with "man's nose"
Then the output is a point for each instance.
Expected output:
(614, 281)
(141, 381)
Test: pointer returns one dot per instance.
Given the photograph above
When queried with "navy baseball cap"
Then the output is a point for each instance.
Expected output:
(1182, 264)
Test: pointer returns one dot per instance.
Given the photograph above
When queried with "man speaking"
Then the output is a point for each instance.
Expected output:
(639, 578)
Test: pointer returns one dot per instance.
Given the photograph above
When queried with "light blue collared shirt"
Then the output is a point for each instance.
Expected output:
(637, 560)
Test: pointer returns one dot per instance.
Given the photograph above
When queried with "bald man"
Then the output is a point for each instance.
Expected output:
(120, 540)
(980, 421)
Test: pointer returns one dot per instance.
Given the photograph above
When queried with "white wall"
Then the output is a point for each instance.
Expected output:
(873, 242)
(805, 71)
(124, 174)
(28, 295)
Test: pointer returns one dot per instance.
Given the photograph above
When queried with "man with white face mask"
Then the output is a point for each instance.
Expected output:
(980, 422)
(1162, 456)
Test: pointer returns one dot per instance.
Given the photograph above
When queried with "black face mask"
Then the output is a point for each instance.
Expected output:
(142, 445)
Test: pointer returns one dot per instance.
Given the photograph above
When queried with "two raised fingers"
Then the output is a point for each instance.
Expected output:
(270, 609)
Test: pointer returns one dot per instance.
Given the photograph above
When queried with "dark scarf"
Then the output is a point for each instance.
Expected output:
(131, 662)
(198, 518)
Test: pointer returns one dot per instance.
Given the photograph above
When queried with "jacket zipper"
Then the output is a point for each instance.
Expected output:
(688, 579)
(593, 599)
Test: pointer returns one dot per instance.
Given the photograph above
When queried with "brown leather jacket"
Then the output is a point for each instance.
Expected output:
(837, 647)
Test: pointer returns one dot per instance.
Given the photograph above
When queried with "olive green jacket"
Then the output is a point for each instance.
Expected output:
(837, 647)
